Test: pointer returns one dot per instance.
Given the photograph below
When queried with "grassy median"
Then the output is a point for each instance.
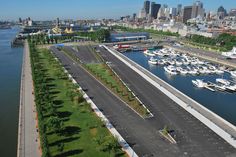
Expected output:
(104, 73)
(67, 124)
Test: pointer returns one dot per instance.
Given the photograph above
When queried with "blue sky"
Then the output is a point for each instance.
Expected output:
(81, 9)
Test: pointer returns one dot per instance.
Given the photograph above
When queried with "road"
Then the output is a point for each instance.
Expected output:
(193, 138)
(28, 144)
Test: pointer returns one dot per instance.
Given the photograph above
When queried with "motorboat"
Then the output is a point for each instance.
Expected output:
(178, 63)
(231, 88)
(153, 60)
(199, 83)
(223, 81)
(171, 70)
(220, 87)
(233, 73)
(162, 62)
(149, 53)
(182, 70)
(231, 54)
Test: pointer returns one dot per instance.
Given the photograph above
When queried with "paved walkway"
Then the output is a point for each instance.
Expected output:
(28, 142)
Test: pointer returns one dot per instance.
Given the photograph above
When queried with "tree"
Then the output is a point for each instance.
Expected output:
(55, 124)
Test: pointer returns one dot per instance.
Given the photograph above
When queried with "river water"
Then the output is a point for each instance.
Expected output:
(222, 103)
(10, 74)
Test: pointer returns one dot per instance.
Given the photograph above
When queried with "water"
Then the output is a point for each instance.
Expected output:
(223, 104)
(10, 71)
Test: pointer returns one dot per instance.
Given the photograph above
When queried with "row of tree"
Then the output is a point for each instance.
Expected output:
(223, 42)
(164, 33)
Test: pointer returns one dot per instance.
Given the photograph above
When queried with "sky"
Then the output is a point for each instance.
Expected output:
(88, 9)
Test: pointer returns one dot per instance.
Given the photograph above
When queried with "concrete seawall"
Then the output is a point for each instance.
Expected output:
(220, 126)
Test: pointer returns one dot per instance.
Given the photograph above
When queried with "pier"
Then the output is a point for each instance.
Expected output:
(28, 136)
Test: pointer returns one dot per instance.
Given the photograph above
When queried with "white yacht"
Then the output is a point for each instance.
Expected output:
(199, 83)
(223, 81)
(231, 54)
(171, 70)
(220, 87)
(233, 73)
(153, 60)
(231, 88)
(149, 53)
(182, 70)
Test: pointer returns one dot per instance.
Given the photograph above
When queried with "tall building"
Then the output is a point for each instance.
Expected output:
(179, 9)
(134, 16)
(154, 10)
(232, 12)
(221, 12)
(142, 13)
(197, 9)
(146, 7)
(187, 13)
(173, 12)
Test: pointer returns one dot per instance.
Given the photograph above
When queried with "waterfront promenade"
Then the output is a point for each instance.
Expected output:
(28, 137)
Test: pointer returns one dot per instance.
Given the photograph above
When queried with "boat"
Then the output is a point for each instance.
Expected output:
(178, 63)
(149, 53)
(162, 62)
(223, 81)
(199, 83)
(233, 73)
(153, 60)
(231, 88)
(231, 54)
(182, 70)
(220, 87)
(171, 70)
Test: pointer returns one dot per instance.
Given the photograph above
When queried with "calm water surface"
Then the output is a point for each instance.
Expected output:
(10, 71)
(223, 104)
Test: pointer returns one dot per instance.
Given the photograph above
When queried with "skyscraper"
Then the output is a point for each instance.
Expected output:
(197, 9)
(154, 9)
(179, 9)
(146, 6)
(187, 12)
(221, 12)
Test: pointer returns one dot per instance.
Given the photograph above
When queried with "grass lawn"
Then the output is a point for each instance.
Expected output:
(83, 134)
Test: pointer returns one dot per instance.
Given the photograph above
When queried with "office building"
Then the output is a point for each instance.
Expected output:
(221, 12)
(187, 12)
(197, 9)
(146, 7)
(154, 10)
(179, 9)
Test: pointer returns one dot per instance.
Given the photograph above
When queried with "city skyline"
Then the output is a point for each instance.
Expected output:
(84, 9)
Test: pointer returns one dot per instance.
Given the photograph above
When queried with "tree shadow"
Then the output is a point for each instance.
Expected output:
(66, 140)
(69, 153)
(70, 130)
(54, 92)
(65, 114)
(58, 103)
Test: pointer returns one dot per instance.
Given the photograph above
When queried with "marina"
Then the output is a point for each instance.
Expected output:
(191, 69)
